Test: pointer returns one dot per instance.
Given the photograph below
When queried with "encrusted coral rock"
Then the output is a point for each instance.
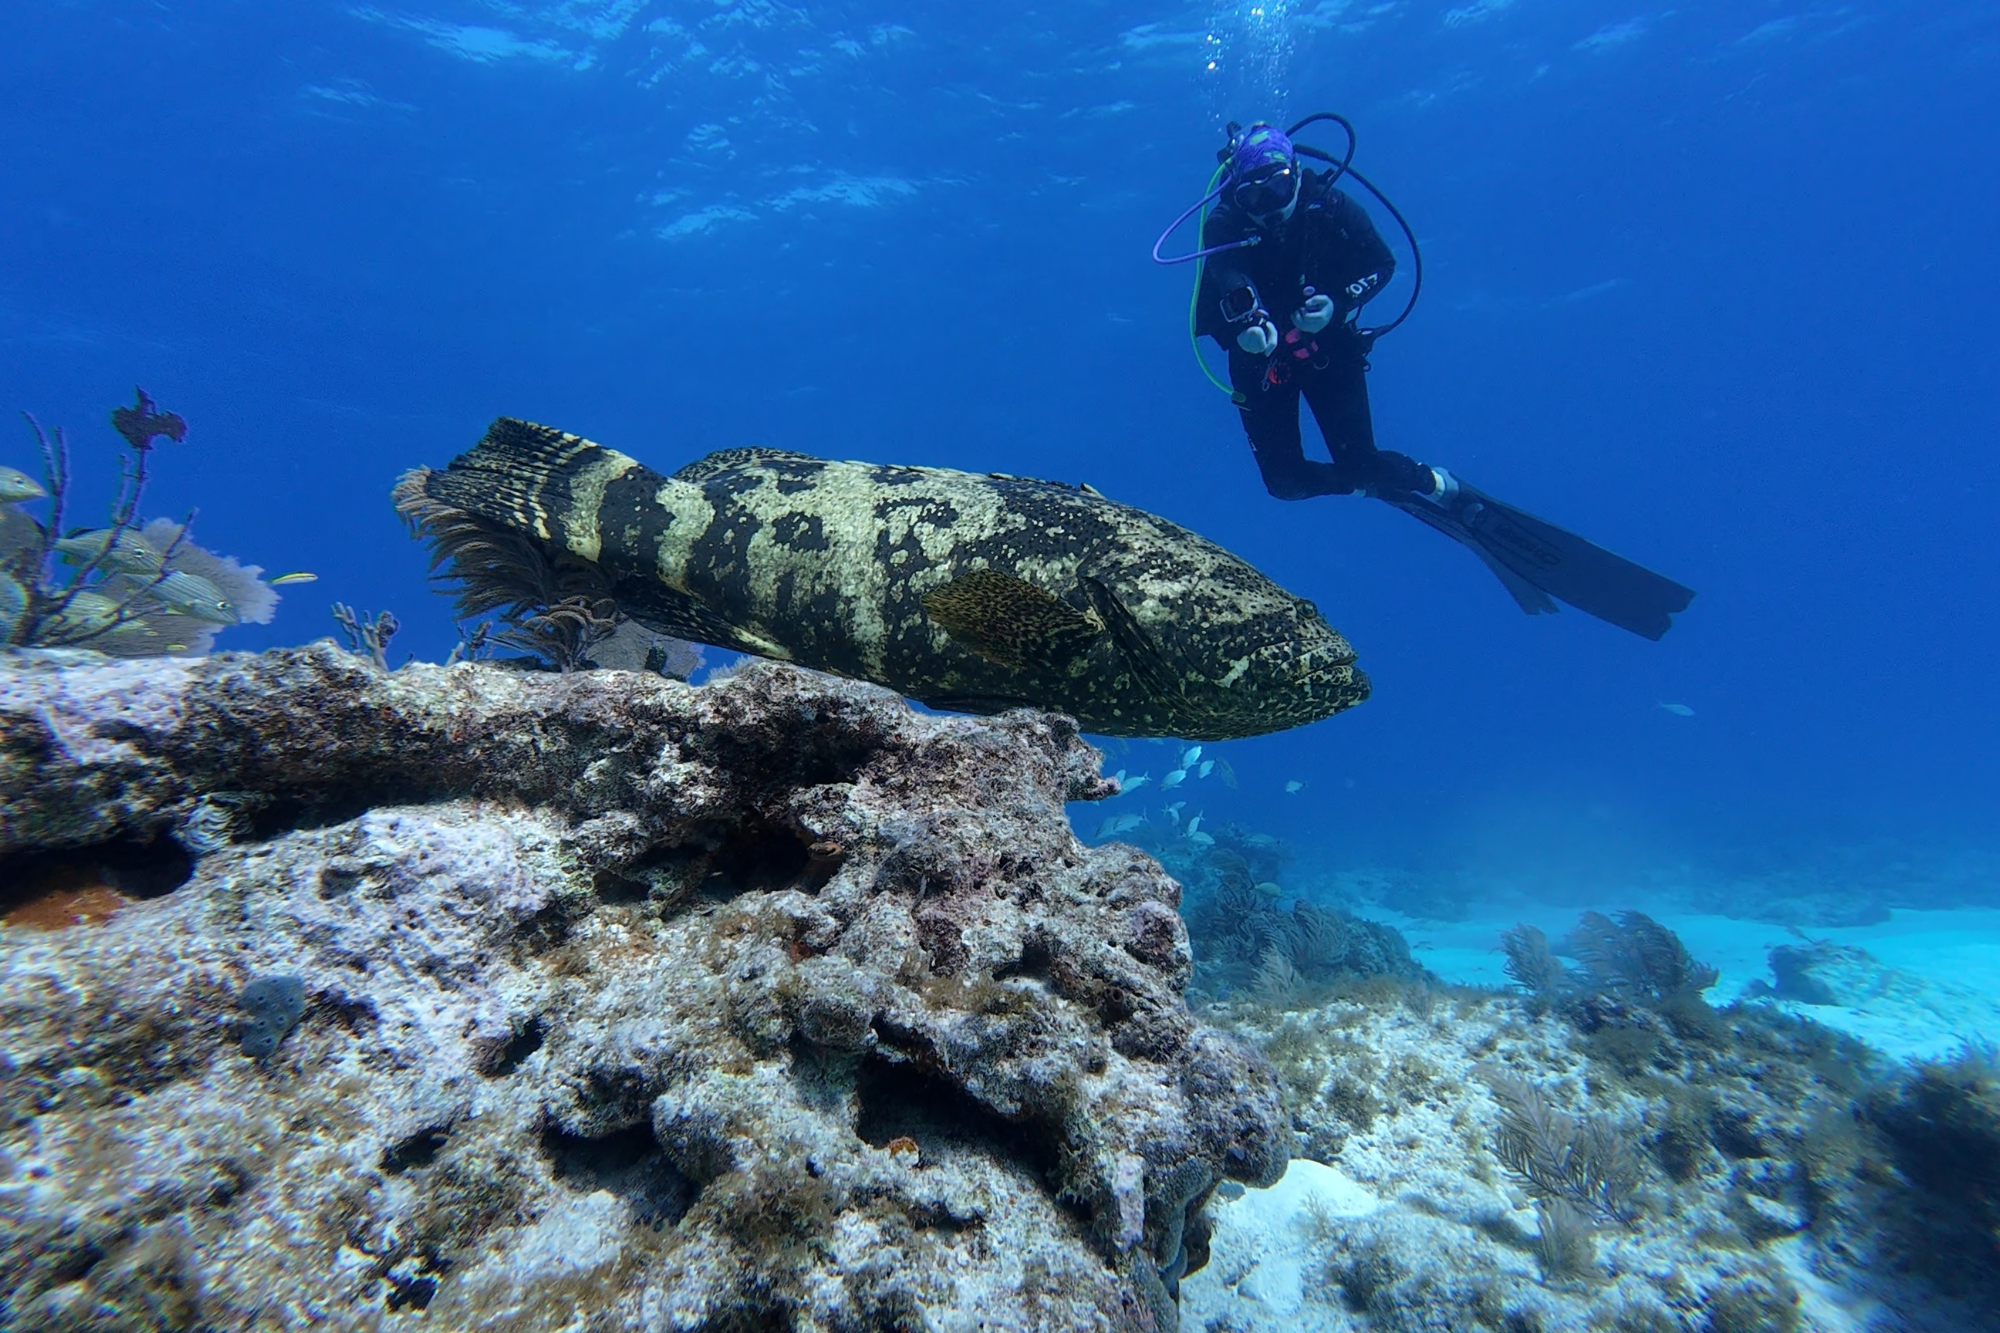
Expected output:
(629, 1005)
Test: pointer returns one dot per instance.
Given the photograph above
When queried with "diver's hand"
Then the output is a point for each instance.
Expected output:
(1260, 339)
(1314, 315)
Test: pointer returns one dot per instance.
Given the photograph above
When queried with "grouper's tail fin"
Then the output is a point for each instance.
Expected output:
(534, 479)
(513, 521)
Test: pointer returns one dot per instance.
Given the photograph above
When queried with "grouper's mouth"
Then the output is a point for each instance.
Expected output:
(1326, 675)
(1348, 680)
(1330, 660)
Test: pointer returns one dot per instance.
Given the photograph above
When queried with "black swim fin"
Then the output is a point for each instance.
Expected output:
(1540, 563)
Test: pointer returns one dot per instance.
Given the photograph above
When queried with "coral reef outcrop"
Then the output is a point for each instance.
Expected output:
(588, 1001)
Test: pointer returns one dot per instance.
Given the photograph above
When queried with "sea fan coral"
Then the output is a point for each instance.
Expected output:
(1532, 964)
(566, 633)
(132, 589)
(498, 571)
(557, 607)
(1565, 1244)
(1638, 957)
(1577, 1158)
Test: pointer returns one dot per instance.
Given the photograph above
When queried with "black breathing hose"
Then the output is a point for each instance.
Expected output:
(1340, 167)
(1343, 166)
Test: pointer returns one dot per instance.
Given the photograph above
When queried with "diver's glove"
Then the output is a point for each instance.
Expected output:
(1261, 338)
(1314, 315)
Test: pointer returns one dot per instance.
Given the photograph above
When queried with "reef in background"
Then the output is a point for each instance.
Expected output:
(1607, 1152)
(1254, 937)
(542, 1001)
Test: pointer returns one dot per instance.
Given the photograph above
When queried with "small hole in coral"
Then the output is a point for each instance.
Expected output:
(508, 1058)
(757, 857)
(414, 1292)
(547, 929)
(902, 1104)
(620, 888)
(1733, 1132)
(627, 1162)
(1035, 961)
(419, 1149)
(664, 876)
(76, 1265)
(325, 808)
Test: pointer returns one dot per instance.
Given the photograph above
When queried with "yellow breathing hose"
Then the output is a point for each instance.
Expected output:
(1194, 298)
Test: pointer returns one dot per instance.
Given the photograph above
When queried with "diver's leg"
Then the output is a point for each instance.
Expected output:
(1336, 388)
(1271, 420)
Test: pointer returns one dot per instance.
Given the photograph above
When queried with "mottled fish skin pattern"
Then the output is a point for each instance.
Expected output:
(826, 564)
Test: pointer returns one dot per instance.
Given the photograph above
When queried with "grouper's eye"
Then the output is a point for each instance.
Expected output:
(1306, 610)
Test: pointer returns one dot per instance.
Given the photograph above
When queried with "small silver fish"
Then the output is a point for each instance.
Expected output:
(1678, 710)
(1201, 840)
(1118, 824)
(1270, 889)
(1133, 784)
(17, 486)
(1207, 767)
(1294, 787)
(1194, 826)
(297, 576)
(193, 596)
(129, 554)
(1190, 756)
(1173, 779)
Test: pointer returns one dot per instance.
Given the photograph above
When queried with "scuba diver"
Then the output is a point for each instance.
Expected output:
(1284, 266)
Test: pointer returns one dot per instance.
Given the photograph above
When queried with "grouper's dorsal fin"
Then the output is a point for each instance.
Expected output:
(722, 460)
(1010, 621)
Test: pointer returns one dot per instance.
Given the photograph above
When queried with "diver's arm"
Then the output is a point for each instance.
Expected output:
(1359, 262)
(1224, 278)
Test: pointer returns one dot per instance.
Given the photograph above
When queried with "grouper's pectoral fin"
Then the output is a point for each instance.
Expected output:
(1148, 664)
(1011, 621)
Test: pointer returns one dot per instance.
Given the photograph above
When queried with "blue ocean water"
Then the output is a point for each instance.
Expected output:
(1712, 284)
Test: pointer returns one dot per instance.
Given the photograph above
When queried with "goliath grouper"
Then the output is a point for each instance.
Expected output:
(966, 592)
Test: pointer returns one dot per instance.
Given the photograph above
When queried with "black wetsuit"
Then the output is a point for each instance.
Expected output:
(1328, 246)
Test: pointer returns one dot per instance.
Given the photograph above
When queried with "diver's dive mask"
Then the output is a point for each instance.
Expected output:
(1263, 173)
(1268, 192)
